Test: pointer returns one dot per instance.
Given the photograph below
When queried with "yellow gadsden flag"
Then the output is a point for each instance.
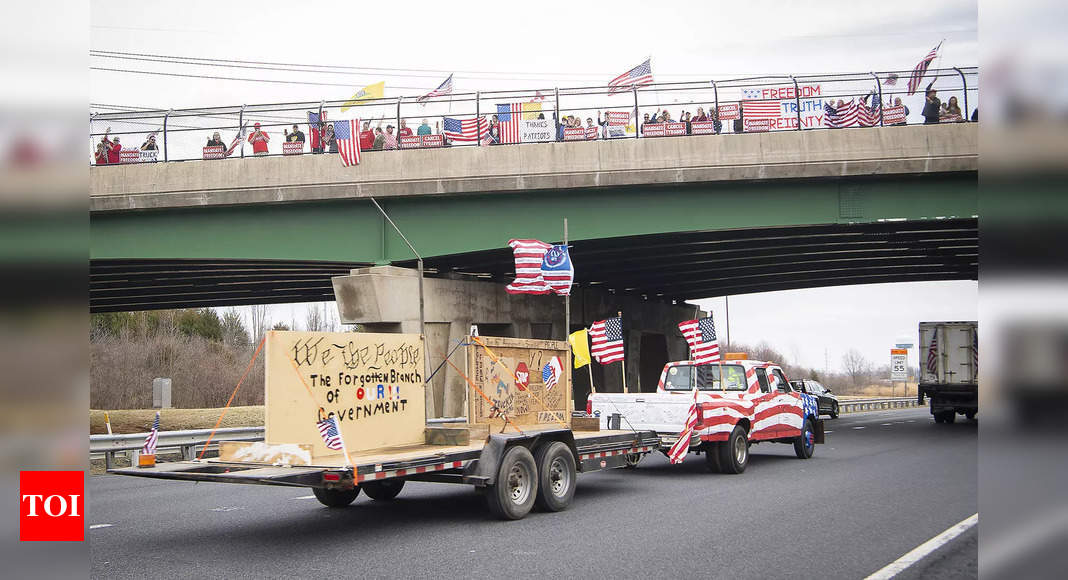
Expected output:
(580, 345)
(375, 91)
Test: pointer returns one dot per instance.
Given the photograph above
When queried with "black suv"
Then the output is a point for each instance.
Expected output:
(828, 403)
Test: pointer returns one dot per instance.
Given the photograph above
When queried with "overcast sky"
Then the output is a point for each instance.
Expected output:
(500, 45)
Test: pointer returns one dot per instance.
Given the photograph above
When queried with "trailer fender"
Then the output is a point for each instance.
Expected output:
(483, 471)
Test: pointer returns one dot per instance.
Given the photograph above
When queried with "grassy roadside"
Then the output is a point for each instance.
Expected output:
(140, 420)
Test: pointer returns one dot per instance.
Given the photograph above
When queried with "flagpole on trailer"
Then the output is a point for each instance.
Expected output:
(623, 361)
(567, 297)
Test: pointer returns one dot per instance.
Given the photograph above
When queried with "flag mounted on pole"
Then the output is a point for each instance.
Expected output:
(921, 69)
(700, 334)
(331, 434)
(347, 134)
(607, 339)
(580, 347)
(237, 140)
(149, 448)
(541, 268)
(638, 76)
(678, 451)
(314, 119)
(444, 88)
(375, 91)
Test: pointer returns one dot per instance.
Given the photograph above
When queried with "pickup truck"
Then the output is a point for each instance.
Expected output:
(753, 402)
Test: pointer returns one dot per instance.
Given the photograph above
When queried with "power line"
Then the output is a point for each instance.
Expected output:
(212, 77)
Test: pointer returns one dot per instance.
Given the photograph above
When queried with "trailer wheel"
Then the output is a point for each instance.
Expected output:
(336, 498)
(512, 496)
(712, 457)
(805, 443)
(734, 453)
(556, 476)
(384, 490)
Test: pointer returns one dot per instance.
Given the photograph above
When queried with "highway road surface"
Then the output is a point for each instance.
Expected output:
(885, 483)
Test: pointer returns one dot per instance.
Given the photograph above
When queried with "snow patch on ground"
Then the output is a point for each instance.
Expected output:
(281, 454)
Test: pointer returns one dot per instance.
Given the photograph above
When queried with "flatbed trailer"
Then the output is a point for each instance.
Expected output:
(521, 447)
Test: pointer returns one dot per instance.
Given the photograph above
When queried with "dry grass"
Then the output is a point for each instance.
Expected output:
(140, 420)
(876, 391)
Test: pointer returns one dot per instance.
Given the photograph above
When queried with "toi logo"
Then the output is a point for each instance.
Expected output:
(51, 506)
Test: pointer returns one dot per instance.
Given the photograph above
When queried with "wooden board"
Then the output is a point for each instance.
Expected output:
(260, 452)
(373, 384)
(529, 405)
(585, 424)
(455, 434)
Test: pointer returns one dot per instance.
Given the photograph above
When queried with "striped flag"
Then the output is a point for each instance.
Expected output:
(891, 79)
(848, 115)
(606, 337)
(314, 118)
(149, 448)
(700, 334)
(331, 433)
(638, 76)
(551, 372)
(678, 451)
(541, 268)
(932, 353)
(761, 109)
(465, 130)
(921, 69)
(347, 134)
(237, 140)
(444, 88)
(508, 118)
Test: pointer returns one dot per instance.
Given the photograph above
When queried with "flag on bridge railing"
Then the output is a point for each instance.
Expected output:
(606, 336)
(313, 126)
(700, 334)
(638, 76)
(149, 448)
(508, 118)
(921, 69)
(348, 141)
(331, 434)
(466, 130)
(678, 451)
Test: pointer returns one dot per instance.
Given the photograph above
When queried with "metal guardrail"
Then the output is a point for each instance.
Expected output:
(876, 404)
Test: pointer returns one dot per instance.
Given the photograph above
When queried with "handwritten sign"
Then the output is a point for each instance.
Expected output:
(536, 130)
(214, 152)
(757, 125)
(292, 147)
(893, 115)
(702, 127)
(728, 112)
(804, 103)
(574, 134)
(422, 141)
(372, 384)
(524, 403)
(591, 133)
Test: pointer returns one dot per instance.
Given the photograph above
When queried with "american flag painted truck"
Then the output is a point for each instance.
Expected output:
(740, 402)
(949, 369)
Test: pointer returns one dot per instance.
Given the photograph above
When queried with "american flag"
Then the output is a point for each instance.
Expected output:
(529, 255)
(347, 134)
(891, 79)
(975, 353)
(551, 372)
(638, 76)
(845, 116)
(868, 115)
(465, 130)
(237, 140)
(330, 433)
(701, 336)
(508, 116)
(678, 451)
(761, 109)
(606, 339)
(932, 353)
(313, 124)
(444, 88)
(750, 94)
(921, 69)
(149, 448)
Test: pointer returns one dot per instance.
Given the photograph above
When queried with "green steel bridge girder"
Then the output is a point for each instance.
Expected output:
(353, 230)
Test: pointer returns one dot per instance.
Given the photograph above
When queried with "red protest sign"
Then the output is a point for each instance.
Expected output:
(292, 147)
(574, 134)
(702, 128)
(728, 112)
(214, 152)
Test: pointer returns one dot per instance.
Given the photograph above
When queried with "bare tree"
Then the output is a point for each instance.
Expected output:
(856, 367)
(260, 317)
(314, 318)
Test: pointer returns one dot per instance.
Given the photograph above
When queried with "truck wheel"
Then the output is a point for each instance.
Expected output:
(834, 410)
(556, 476)
(939, 417)
(734, 453)
(512, 496)
(384, 490)
(336, 498)
(712, 457)
(805, 443)
(949, 417)
(970, 415)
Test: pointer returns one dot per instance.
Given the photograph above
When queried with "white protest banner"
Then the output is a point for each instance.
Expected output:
(536, 131)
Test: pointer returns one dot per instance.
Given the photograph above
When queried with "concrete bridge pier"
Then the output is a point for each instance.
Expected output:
(386, 299)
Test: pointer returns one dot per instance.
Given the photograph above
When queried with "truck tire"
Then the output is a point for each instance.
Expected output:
(970, 415)
(335, 498)
(949, 417)
(556, 476)
(939, 417)
(805, 443)
(516, 488)
(734, 453)
(834, 410)
(712, 457)
(384, 490)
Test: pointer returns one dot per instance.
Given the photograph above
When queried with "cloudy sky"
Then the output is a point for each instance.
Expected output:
(494, 46)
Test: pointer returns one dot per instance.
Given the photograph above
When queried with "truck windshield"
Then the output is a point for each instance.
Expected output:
(682, 377)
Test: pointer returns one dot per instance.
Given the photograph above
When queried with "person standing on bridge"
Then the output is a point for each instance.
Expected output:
(932, 107)
(739, 123)
(101, 154)
(216, 141)
(423, 129)
(297, 136)
(367, 137)
(404, 130)
(329, 140)
(259, 140)
(389, 140)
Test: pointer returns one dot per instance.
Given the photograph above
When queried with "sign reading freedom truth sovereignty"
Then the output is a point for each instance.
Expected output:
(810, 98)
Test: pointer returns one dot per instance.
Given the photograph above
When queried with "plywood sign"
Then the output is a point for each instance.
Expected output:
(515, 383)
(372, 383)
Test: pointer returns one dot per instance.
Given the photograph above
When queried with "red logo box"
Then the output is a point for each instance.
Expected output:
(51, 506)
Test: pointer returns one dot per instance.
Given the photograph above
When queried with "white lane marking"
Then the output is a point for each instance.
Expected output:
(826, 431)
(98, 526)
(919, 552)
(227, 509)
(305, 497)
(861, 427)
(887, 424)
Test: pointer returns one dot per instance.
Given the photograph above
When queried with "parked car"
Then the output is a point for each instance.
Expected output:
(828, 403)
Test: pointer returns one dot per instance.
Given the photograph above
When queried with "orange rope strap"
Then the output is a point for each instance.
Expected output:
(511, 372)
(232, 395)
(483, 395)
